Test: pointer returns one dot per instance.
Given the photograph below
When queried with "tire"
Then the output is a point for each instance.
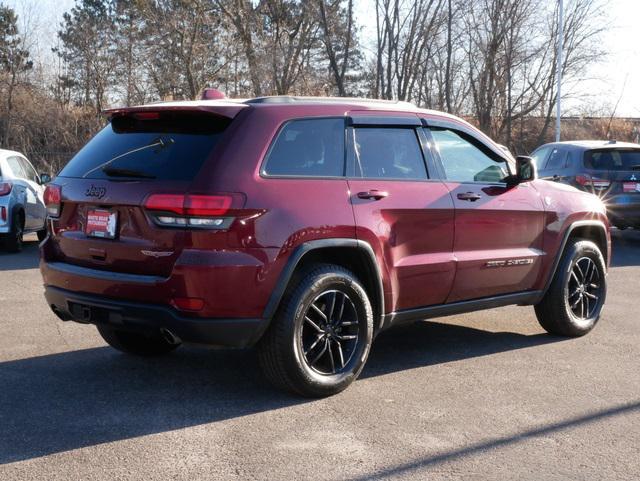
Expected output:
(42, 234)
(572, 306)
(303, 353)
(139, 343)
(14, 239)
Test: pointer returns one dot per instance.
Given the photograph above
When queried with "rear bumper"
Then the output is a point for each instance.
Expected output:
(624, 211)
(92, 309)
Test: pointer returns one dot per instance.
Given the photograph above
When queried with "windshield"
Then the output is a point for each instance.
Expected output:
(612, 159)
(167, 145)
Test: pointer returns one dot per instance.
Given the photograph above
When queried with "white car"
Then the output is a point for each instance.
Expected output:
(22, 207)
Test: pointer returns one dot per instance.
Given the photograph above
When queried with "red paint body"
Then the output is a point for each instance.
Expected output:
(431, 247)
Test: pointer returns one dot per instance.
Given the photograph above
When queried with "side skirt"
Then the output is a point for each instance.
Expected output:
(409, 315)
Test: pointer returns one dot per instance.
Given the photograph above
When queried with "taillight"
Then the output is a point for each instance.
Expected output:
(53, 199)
(180, 210)
(5, 188)
(593, 182)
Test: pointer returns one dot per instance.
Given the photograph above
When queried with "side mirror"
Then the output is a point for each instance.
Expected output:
(45, 178)
(525, 169)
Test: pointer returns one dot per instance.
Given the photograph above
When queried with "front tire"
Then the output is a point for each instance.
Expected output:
(321, 336)
(146, 344)
(572, 305)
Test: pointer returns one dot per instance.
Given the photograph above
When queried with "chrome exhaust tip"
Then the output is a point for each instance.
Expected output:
(170, 337)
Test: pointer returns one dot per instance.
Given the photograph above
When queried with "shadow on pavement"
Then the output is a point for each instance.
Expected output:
(27, 259)
(427, 343)
(415, 466)
(626, 248)
(74, 399)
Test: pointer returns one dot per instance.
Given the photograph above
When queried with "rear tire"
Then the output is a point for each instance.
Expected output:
(146, 344)
(320, 338)
(13, 240)
(572, 305)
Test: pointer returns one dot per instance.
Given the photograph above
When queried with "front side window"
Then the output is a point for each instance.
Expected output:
(464, 161)
(308, 147)
(392, 153)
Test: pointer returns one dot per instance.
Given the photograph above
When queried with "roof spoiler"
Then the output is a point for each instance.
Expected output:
(220, 108)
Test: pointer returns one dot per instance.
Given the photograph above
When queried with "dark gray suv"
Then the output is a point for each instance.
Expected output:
(608, 169)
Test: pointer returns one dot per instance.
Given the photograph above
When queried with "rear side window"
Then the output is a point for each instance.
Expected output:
(29, 171)
(167, 146)
(308, 147)
(612, 159)
(557, 160)
(540, 156)
(16, 167)
(388, 153)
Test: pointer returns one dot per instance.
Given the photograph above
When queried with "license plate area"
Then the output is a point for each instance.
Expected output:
(102, 223)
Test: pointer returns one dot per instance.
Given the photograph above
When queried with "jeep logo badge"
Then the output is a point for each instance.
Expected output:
(94, 191)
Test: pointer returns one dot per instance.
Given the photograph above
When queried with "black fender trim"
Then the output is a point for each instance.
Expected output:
(580, 223)
(306, 247)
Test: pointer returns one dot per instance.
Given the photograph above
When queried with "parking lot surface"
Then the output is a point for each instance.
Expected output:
(486, 395)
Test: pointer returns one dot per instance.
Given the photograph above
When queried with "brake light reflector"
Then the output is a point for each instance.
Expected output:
(188, 303)
(5, 188)
(53, 199)
(3, 214)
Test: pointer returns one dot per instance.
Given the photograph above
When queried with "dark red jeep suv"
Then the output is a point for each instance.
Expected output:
(306, 226)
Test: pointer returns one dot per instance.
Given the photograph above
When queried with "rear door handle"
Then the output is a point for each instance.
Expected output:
(373, 194)
(470, 196)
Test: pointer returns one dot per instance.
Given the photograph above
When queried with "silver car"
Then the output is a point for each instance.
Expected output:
(22, 207)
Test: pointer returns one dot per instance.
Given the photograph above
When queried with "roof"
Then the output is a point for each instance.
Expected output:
(595, 144)
(6, 153)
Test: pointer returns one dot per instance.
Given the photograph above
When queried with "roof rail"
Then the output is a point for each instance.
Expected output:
(290, 99)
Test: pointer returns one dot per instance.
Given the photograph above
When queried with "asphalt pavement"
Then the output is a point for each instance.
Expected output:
(483, 396)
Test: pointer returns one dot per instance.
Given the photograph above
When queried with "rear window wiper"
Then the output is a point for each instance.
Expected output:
(116, 172)
(160, 143)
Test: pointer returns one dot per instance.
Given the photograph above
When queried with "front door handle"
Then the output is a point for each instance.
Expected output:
(470, 196)
(373, 194)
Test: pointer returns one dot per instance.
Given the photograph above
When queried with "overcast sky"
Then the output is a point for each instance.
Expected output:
(617, 77)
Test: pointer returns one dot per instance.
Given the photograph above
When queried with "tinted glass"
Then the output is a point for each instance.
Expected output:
(388, 153)
(309, 147)
(612, 159)
(557, 160)
(172, 146)
(464, 161)
(16, 167)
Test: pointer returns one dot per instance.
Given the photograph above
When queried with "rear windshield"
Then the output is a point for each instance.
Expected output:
(612, 159)
(169, 145)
